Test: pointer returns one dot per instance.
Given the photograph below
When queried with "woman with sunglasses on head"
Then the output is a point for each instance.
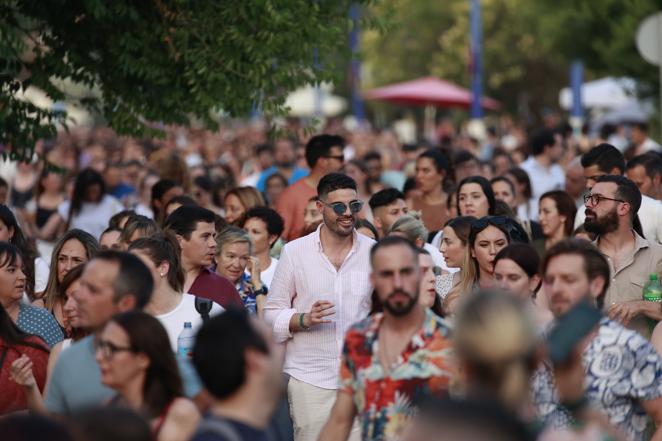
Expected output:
(516, 270)
(134, 356)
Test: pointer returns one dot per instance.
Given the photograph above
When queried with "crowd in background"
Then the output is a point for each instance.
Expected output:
(332, 283)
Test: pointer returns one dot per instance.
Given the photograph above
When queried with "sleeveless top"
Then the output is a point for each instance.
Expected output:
(434, 216)
(42, 216)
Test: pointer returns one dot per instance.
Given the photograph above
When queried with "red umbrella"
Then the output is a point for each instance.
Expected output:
(428, 91)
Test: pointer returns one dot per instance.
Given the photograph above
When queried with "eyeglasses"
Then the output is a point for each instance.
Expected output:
(595, 199)
(340, 158)
(340, 207)
(108, 349)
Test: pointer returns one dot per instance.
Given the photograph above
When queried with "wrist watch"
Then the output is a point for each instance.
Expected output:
(262, 291)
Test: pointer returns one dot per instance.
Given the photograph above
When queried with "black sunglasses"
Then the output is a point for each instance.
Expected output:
(340, 158)
(340, 207)
(483, 222)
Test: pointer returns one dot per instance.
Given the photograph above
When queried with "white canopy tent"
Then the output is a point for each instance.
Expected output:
(605, 93)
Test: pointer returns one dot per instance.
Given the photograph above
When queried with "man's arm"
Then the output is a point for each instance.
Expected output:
(278, 310)
(654, 410)
(340, 421)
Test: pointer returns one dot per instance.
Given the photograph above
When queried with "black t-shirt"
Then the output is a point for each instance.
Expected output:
(243, 432)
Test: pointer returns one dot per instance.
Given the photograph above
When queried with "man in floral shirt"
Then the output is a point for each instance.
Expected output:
(623, 372)
(393, 359)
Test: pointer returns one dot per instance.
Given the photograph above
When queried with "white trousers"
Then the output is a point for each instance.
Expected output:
(310, 408)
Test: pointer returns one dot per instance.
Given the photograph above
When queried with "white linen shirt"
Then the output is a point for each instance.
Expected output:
(303, 276)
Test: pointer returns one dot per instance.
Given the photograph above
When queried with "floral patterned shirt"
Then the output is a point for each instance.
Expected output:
(385, 400)
(622, 369)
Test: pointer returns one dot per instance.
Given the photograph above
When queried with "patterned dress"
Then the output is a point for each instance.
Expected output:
(622, 369)
(385, 401)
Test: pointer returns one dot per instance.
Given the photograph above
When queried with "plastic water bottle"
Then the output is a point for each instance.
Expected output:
(185, 341)
(653, 293)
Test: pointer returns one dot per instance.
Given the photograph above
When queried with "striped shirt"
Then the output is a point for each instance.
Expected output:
(303, 276)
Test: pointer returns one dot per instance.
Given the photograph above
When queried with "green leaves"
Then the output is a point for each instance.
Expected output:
(164, 60)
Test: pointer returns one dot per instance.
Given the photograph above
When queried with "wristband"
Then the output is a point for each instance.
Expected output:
(301, 323)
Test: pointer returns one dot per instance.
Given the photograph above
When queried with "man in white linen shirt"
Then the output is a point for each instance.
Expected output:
(544, 172)
(605, 159)
(321, 287)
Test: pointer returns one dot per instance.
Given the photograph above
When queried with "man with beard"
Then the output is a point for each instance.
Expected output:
(622, 371)
(321, 287)
(605, 159)
(611, 211)
(404, 353)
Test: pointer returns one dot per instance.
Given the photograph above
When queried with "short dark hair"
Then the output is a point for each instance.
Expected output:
(221, 361)
(391, 241)
(181, 200)
(204, 182)
(184, 220)
(652, 163)
(320, 146)
(162, 186)
(606, 157)
(625, 190)
(265, 147)
(439, 159)
(270, 217)
(464, 156)
(385, 197)
(133, 277)
(372, 155)
(595, 263)
(333, 182)
(540, 140)
(566, 206)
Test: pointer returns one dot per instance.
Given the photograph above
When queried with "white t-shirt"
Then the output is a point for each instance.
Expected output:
(542, 179)
(41, 272)
(173, 321)
(268, 273)
(92, 218)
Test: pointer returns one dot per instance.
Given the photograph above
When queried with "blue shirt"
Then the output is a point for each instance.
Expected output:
(297, 174)
(39, 322)
(75, 382)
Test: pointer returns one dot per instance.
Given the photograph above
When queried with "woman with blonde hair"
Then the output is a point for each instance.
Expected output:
(411, 227)
(238, 201)
(234, 257)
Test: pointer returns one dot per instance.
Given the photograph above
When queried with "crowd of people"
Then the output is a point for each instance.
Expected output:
(340, 286)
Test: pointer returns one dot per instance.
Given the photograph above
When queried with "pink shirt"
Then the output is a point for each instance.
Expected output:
(303, 276)
(291, 206)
